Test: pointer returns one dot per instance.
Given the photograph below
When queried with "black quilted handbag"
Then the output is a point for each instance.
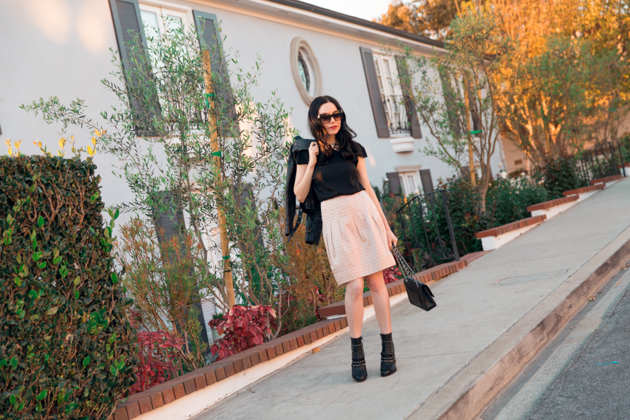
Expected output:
(419, 293)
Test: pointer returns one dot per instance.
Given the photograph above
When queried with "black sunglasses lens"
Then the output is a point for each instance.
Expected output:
(325, 118)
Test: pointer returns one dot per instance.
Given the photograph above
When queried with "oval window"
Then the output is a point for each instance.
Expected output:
(305, 70)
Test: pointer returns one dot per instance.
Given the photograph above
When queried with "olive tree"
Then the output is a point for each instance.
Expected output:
(201, 150)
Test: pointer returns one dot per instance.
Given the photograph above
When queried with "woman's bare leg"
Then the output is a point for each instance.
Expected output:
(380, 298)
(354, 306)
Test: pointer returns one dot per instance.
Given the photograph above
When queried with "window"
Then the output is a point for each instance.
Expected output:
(410, 182)
(305, 70)
(391, 93)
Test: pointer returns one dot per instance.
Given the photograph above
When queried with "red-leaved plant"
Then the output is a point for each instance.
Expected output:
(244, 327)
(392, 274)
(159, 354)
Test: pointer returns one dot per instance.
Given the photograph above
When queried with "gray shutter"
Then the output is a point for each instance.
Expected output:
(449, 99)
(127, 23)
(169, 217)
(394, 183)
(374, 91)
(169, 222)
(474, 113)
(210, 39)
(405, 84)
(427, 181)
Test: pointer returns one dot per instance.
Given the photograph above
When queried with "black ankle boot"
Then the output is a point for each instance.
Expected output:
(359, 371)
(388, 358)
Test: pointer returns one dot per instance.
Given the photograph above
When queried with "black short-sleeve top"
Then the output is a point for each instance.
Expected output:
(337, 175)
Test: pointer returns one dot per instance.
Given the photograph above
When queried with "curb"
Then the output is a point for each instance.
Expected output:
(474, 387)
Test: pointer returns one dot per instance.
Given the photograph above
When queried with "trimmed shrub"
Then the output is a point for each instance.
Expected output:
(561, 175)
(508, 199)
(66, 347)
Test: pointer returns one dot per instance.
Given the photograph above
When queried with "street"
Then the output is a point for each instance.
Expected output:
(583, 374)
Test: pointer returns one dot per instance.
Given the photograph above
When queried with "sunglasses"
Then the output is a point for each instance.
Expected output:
(326, 118)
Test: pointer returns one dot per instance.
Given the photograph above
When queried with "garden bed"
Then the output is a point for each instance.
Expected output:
(182, 386)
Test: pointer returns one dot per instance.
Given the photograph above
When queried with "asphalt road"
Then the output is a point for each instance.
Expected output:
(596, 383)
(585, 374)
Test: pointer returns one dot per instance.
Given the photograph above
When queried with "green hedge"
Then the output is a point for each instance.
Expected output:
(66, 347)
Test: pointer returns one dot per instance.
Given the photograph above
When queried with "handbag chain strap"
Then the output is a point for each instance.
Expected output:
(402, 264)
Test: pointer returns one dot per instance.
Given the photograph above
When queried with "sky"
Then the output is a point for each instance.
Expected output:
(365, 9)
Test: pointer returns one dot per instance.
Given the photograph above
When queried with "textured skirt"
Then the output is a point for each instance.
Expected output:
(355, 238)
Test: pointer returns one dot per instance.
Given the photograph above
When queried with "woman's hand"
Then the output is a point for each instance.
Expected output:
(392, 240)
(313, 151)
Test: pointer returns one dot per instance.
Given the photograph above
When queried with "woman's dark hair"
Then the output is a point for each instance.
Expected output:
(347, 146)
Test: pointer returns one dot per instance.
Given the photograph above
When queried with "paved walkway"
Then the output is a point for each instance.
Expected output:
(477, 308)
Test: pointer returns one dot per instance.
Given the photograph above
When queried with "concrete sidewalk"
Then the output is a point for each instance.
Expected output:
(451, 360)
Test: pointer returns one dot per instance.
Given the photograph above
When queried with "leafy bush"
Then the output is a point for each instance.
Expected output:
(160, 357)
(508, 199)
(560, 174)
(163, 277)
(466, 217)
(311, 283)
(66, 347)
(244, 327)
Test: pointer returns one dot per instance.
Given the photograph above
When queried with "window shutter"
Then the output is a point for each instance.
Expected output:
(449, 99)
(405, 84)
(395, 186)
(169, 223)
(127, 23)
(374, 91)
(210, 39)
(474, 114)
(169, 217)
(427, 181)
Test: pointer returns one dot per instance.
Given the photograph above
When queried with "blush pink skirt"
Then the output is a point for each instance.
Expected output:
(355, 238)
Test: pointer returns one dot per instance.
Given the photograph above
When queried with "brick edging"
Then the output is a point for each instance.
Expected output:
(181, 386)
(398, 287)
(606, 179)
(552, 203)
(583, 190)
(519, 224)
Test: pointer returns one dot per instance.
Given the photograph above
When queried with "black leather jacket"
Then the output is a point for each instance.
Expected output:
(311, 206)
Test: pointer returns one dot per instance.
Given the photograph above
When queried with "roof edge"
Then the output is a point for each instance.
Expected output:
(358, 21)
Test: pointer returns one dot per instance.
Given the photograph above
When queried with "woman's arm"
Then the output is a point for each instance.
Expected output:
(363, 179)
(303, 177)
(304, 174)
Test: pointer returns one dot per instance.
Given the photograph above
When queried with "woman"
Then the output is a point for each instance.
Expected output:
(356, 233)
